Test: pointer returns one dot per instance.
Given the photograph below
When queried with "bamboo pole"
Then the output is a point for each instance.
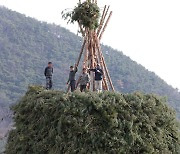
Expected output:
(98, 60)
(101, 21)
(93, 61)
(108, 75)
(106, 13)
(103, 61)
(104, 85)
(91, 58)
(93, 52)
(107, 72)
(85, 64)
(109, 78)
(96, 57)
(82, 49)
(105, 25)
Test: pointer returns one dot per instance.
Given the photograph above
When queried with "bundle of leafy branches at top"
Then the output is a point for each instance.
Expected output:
(86, 14)
(53, 122)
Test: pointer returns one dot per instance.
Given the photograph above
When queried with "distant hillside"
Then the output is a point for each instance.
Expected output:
(26, 45)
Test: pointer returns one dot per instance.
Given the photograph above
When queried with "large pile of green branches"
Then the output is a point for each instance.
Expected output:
(86, 14)
(53, 122)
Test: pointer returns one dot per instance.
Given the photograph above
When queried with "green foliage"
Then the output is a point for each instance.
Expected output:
(54, 122)
(86, 13)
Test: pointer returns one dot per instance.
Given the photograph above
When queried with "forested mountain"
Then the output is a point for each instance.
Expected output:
(26, 45)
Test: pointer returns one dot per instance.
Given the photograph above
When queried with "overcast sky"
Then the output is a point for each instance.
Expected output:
(146, 30)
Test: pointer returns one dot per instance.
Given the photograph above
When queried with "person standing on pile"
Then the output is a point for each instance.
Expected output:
(84, 80)
(98, 77)
(72, 81)
(48, 74)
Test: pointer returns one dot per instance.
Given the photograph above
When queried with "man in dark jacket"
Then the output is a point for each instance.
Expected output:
(98, 77)
(72, 80)
(48, 74)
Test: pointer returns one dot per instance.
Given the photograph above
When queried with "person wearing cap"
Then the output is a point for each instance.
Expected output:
(72, 81)
(84, 80)
(98, 77)
(48, 72)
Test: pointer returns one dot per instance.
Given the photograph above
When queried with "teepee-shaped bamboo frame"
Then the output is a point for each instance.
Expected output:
(91, 49)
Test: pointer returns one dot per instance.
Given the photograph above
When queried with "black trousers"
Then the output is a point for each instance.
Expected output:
(83, 88)
(49, 82)
(73, 85)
